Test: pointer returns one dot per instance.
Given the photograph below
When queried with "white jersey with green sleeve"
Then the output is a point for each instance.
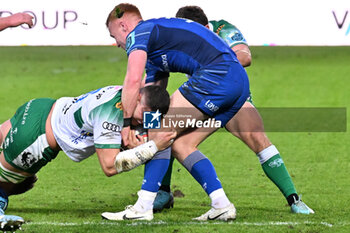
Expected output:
(228, 32)
(93, 120)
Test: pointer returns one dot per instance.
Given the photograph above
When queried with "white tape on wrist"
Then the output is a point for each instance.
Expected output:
(132, 158)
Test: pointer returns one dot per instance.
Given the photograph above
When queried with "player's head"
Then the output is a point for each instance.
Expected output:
(121, 21)
(151, 98)
(194, 13)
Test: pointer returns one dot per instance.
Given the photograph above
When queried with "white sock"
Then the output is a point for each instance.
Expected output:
(219, 199)
(145, 201)
(267, 153)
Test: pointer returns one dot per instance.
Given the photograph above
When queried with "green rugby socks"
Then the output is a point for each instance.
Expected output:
(276, 171)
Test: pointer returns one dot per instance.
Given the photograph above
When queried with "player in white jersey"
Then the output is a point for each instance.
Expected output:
(80, 126)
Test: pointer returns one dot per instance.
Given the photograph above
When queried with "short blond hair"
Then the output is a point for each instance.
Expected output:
(120, 10)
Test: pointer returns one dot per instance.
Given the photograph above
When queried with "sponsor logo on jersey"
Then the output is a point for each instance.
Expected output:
(119, 106)
(99, 95)
(130, 41)
(219, 29)
(110, 126)
(9, 138)
(78, 99)
(27, 159)
(83, 135)
(236, 36)
(165, 62)
(212, 107)
(25, 114)
(82, 97)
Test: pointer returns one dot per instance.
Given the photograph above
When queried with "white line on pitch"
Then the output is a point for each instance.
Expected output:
(188, 223)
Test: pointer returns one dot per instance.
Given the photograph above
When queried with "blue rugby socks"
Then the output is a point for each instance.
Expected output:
(155, 170)
(204, 172)
(3, 201)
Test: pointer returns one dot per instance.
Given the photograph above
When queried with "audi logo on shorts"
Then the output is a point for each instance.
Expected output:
(111, 127)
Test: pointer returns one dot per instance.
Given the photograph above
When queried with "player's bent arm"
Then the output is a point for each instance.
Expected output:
(132, 158)
(243, 54)
(132, 82)
(129, 159)
(113, 161)
(107, 158)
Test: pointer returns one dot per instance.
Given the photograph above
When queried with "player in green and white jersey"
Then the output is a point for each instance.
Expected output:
(247, 124)
(80, 126)
(233, 37)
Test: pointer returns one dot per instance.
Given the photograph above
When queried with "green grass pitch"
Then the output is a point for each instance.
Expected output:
(69, 197)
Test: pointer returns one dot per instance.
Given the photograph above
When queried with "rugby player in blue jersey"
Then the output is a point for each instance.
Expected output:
(246, 125)
(217, 88)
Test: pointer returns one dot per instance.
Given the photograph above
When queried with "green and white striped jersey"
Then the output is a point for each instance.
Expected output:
(92, 120)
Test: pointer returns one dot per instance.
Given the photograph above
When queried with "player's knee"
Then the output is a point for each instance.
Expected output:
(180, 149)
(257, 141)
(176, 148)
(259, 138)
(24, 186)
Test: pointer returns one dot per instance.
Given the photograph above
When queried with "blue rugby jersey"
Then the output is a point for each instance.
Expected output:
(179, 45)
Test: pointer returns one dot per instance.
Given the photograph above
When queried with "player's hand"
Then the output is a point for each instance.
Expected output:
(21, 18)
(125, 135)
(163, 139)
(134, 140)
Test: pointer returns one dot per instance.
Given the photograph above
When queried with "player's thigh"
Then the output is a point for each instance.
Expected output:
(247, 125)
(247, 119)
(7, 187)
(188, 142)
(180, 106)
(4, 129)
(25, 147)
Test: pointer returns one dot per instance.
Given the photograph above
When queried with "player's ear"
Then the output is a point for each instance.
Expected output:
(139, 97)
(124, 26)
(207, 26)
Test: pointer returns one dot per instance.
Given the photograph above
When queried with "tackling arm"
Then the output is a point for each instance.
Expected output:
(243, 54)
(113, 161)
(132, 82)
